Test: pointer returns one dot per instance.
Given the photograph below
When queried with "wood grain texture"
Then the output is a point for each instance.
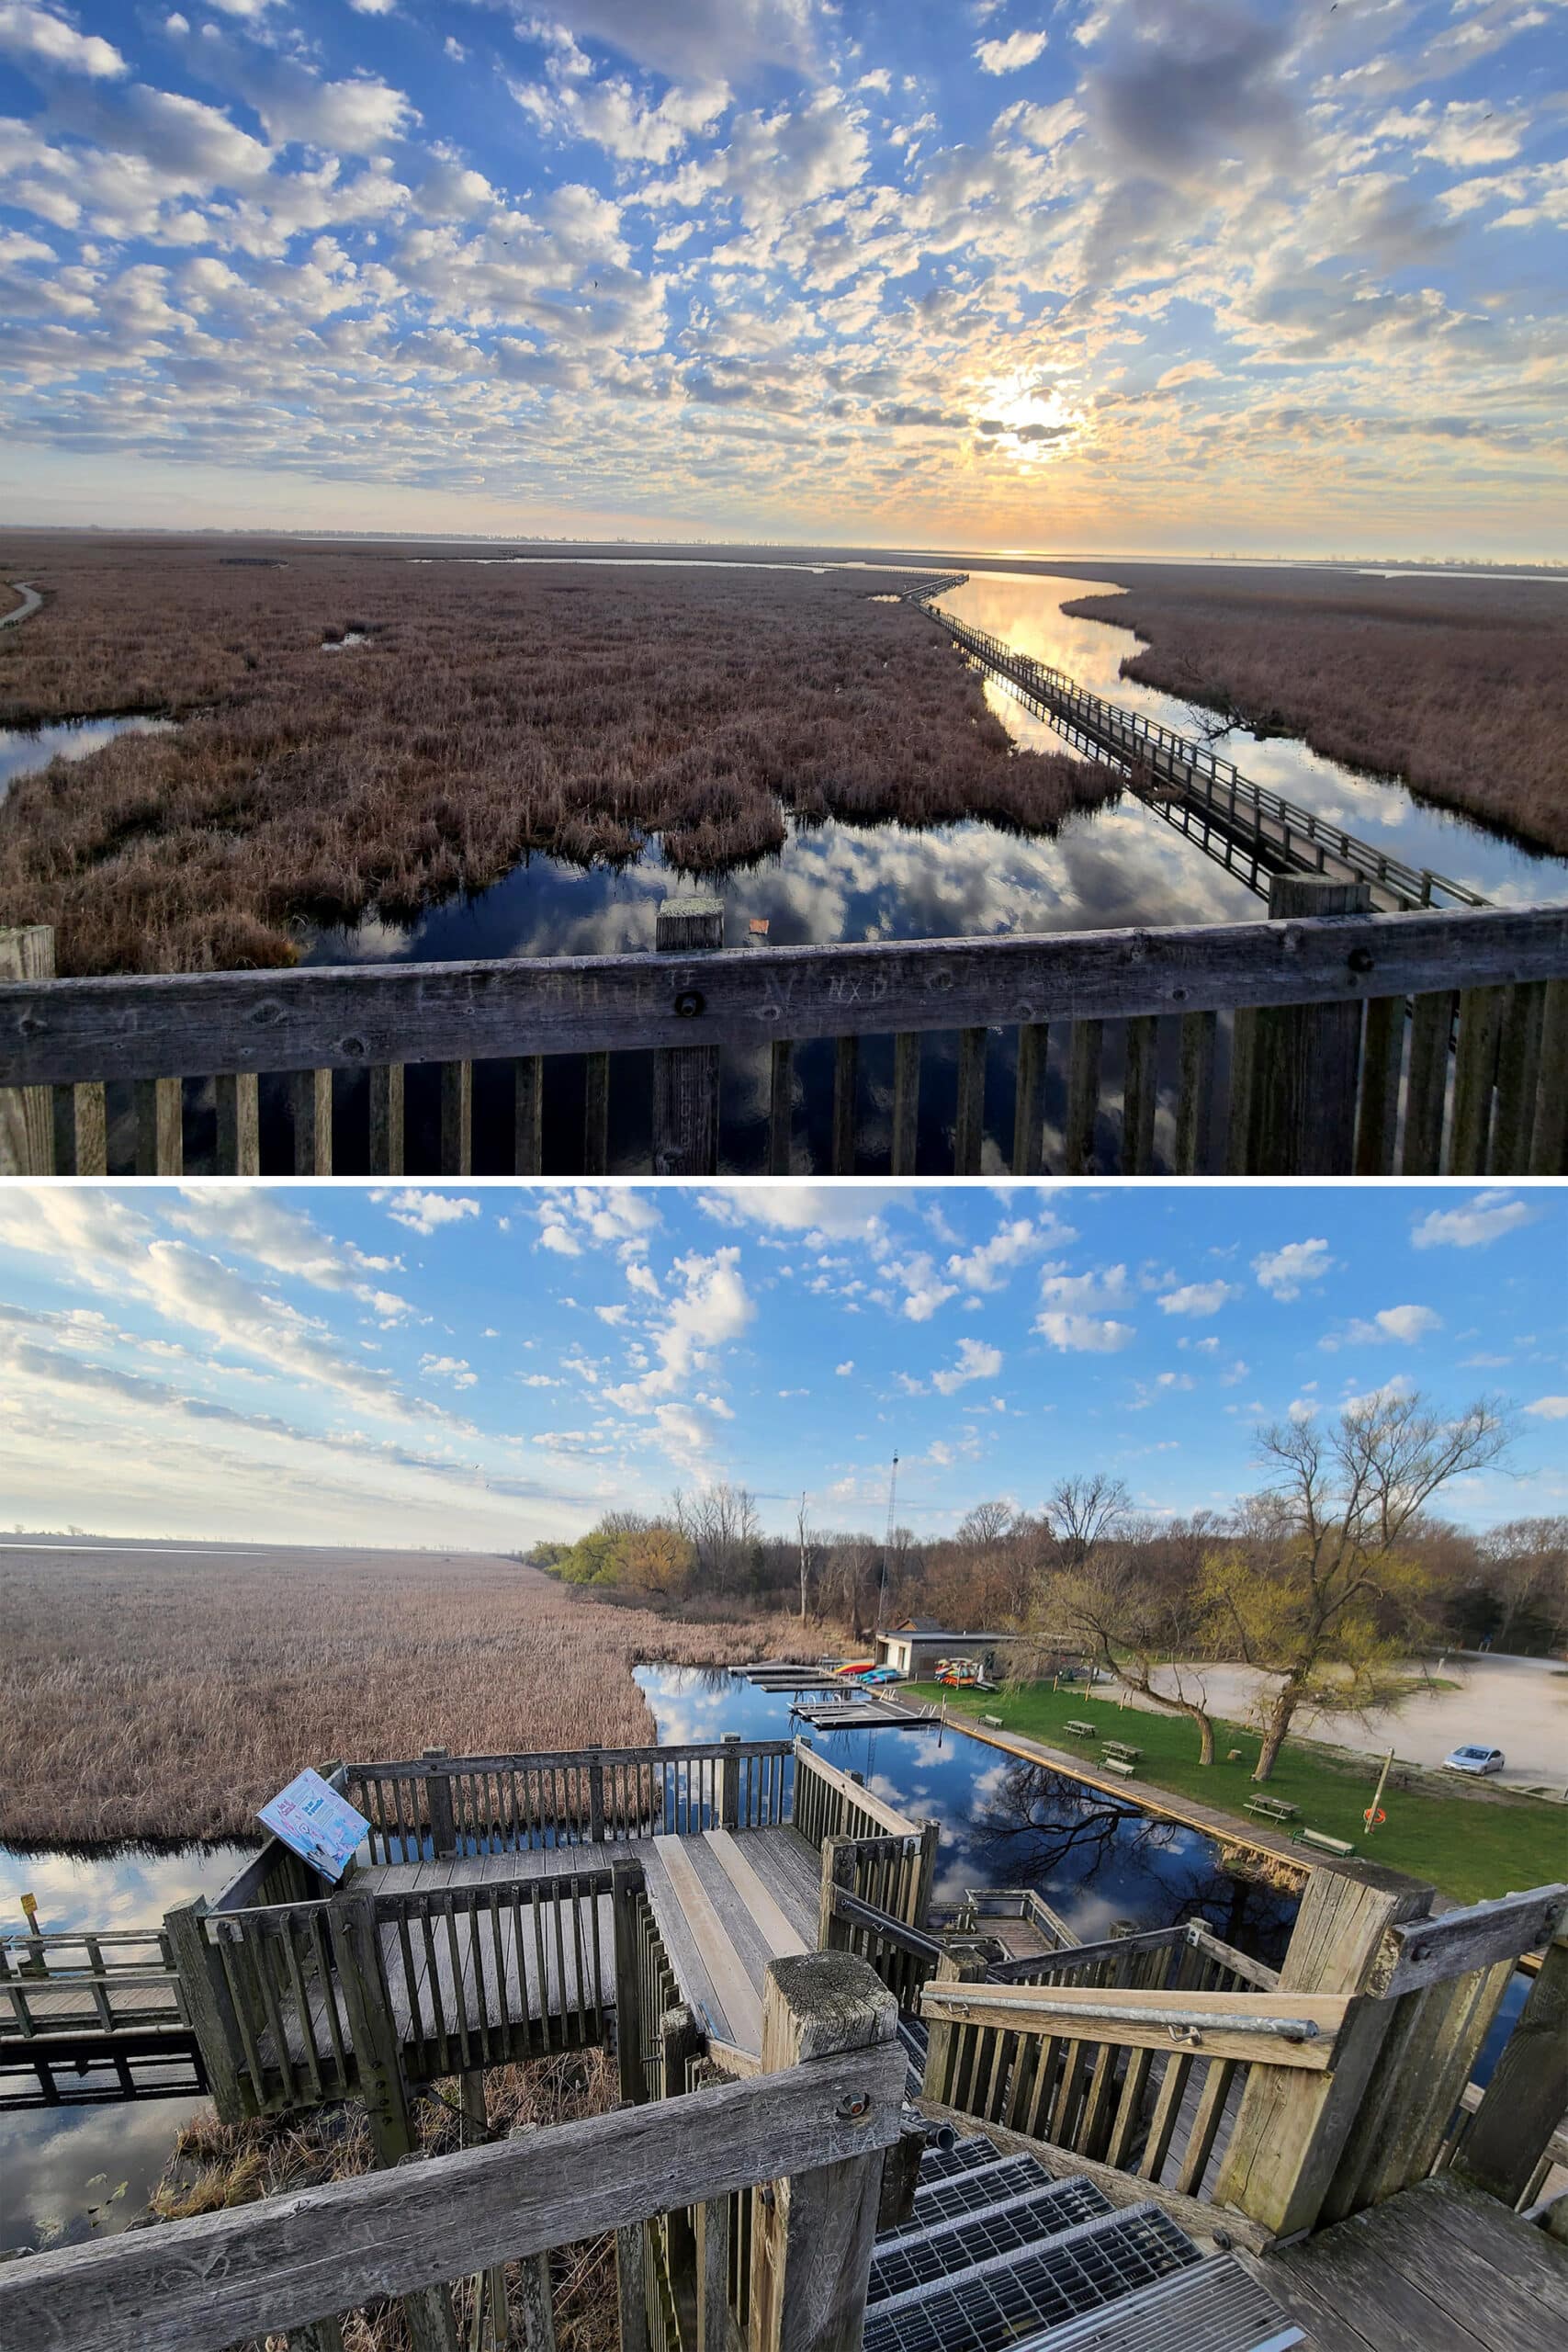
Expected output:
(1428, 1951)
(202, 2285)
(353, 1017)
(1523, 2104)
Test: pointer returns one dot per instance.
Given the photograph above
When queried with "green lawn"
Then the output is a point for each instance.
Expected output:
(1468, 1845)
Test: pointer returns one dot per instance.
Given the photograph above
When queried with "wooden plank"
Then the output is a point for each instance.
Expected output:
(1055, 2007)
(1083, 1097)
(201, 2285)
(1426, 1085)
(353, 1017)
(778, 1931)
(528, 1115)
(238, 1123)
(1028, 1101)
(596, 1115)
(1197, 1092)
(1466, 2260)
(1549, 1147)
(906, 1102)
(1518, 1072)
(1350, 2280)
(781, 1106)
(1382, 1055)
(160, 1135)
(27, 1114)
(311, 1091)
(686, 1083)
(1303, 1110)
(1139, 1096)
(740, 2020)
(1523, 2104)
(846, 1066)
(386, 1099)
(969, 1119)
(88, 1121)
(1475, 1073)
(457, 1118)
(1429, 1952)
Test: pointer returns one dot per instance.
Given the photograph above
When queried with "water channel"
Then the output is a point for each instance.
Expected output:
(68, 2175)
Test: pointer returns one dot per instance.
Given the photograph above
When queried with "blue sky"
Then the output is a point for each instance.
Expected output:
(1189, 275)
(484, 1366)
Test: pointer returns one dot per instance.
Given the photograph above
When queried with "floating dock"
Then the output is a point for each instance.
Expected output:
(863, 1714)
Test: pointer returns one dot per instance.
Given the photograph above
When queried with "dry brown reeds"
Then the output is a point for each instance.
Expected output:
(215, 2166)
(496, 710)
(166, 1695)
(1459, 687)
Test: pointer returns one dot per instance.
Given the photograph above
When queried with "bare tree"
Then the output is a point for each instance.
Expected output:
(1525, 1567)
(1323, 1588)
(811, 1553)
(1132, 1628)
(721, 1523)
(1081, 1511)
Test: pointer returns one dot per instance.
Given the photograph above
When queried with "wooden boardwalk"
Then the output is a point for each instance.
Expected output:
(725, 1903)
(1437, 2268)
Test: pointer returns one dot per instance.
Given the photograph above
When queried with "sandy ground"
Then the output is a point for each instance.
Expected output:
(1519, 1704)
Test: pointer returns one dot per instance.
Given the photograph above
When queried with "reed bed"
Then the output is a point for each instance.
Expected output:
(161, 1696)
(494, 710)
(215, 2166)
(1457, 687)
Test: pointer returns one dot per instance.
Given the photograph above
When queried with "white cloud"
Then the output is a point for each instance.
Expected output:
(844, 1369)
(1550, 1408)
(1086, 1334)
(1197, 1298)
(1286, 1272)
(1103, 1286)
(453, 1368)
(1008, 55)
(425, 1212)
(1485, 1217)
(1406, 1324)
(975, 1360)
(988, 1264)
(38, 37)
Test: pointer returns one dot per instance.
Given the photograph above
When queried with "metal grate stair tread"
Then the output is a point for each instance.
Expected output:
(1019, 2295)
(1213, 2307)
(969, 2241)
(939, 2204)
(941, 2164)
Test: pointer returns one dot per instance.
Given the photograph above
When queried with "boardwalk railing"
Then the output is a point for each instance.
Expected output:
(1282, 835)
(832, 1804)
(816, 2123)
(1310, 1043)
(440, 1804)
(1305, 2100)
(119, 1980)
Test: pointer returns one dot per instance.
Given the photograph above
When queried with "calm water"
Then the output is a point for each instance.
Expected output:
(1026, 611)
(25, 749)
(50, 2159)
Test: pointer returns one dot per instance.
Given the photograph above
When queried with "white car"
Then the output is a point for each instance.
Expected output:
(1474, 1760)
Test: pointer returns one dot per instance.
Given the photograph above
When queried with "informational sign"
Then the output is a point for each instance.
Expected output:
(321, 1826)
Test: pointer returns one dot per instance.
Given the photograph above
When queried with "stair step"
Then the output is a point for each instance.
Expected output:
(940, 2164)
(1014, 2297)
(940, 2202)
(963, 2242)
(1213, 2307)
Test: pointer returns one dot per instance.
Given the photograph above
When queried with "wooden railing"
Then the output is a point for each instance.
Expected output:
(1280, 831)
(874, 1894)
(441, 1805)
(112, 1981)
(1341, 1028)
(1305, 2099)
(832, 1804)
(815, 2122)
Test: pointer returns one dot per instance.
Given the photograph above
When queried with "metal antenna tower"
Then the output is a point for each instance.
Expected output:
(887, 1540)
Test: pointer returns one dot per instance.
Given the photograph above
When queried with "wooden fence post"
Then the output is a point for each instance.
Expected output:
(729, 1785)
(930, 1842)
(438, 1803)
(626, 1879)
(631, 2286)
(1292, 2127)
(679, 2041)
(686, 1077)
(378, 2060)
(27, 1113)
(206, 2005)
(811, 2237)
(837, 1875)
(595, 1797)
(959, 1964)
(1522, 2105)
(1302, 1111)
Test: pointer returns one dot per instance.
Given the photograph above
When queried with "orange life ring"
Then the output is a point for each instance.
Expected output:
(1374, 1816)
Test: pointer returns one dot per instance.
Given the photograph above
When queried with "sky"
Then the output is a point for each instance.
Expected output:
(482, 1367)
(1196, 276)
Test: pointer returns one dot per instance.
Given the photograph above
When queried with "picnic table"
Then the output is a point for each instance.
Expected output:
(1119, 1748)
(1084, 1731)
(1271, 1808)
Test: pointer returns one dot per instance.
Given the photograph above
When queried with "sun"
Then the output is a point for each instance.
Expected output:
(1028, 417)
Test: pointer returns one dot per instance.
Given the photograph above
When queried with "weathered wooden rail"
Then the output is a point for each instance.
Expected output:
(89, 2017)
(1252, 829)
(1310, 1042)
